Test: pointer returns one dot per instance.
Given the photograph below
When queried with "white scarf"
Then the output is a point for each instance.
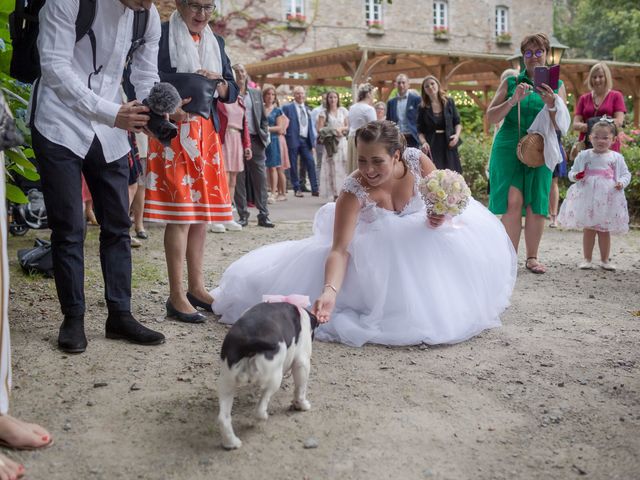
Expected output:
(543, 125)
(185, 55)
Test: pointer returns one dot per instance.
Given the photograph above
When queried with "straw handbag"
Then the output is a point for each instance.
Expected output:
(530, 149)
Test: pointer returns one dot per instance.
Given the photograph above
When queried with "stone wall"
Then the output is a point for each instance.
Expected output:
(256, 30)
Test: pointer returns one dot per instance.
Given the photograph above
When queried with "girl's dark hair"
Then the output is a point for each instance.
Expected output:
(606, 123)
(326, 99)
(385, 133)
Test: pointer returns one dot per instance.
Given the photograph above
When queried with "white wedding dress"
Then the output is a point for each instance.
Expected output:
(405, 284)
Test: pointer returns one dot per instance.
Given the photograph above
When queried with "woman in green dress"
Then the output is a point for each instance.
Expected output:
(518, 190)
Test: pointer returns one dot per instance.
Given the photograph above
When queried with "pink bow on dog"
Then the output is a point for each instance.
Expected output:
(300, 301)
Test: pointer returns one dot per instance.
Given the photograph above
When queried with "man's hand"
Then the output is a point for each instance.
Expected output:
(131, 116)
(248, 154)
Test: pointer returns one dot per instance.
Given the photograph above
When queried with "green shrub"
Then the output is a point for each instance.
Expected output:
(474, 156)
(631, 153)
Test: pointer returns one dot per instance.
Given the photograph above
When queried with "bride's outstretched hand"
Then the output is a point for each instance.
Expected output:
(323, 306)
(434, 221)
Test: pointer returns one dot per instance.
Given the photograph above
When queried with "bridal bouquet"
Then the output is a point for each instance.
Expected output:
(444, 192)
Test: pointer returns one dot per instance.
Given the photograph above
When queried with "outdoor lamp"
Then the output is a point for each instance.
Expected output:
(557, 50)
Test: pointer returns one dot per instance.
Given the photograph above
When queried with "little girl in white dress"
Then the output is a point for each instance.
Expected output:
(596, 202)
(381, 274)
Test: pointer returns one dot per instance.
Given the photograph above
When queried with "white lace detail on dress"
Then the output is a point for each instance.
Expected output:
(412, 157)
(352, 185)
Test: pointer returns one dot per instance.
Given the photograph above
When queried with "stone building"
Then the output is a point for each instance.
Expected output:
(257, 30)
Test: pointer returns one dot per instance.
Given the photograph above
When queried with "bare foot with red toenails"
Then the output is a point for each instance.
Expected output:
(21, 435)
(10, 470)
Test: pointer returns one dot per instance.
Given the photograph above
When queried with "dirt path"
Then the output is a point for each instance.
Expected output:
(553, 394)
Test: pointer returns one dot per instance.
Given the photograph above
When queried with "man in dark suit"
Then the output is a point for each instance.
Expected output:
(301, 139)
(254, 166)
(403, 110)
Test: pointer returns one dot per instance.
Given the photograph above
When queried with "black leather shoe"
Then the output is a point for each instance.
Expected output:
(71, 338)
(315, 194)
(197, 303)
(243, 221)
(265, 222)
(122, 325)
(195, 317)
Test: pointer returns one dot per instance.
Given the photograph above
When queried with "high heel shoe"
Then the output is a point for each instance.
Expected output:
(195, 317)
(197, 303)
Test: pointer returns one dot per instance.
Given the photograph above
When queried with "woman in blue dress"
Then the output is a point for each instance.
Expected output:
(275, 172)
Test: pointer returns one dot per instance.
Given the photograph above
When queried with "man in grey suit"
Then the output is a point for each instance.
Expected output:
(255, 166)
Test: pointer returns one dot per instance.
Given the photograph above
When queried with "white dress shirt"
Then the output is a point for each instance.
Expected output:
(70, 114)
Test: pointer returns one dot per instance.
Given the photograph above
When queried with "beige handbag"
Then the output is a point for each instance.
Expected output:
(530, 148)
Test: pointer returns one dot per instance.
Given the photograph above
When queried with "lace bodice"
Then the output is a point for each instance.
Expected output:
(369, 209)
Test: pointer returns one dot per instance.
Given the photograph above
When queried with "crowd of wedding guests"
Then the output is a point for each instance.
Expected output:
(250, 151)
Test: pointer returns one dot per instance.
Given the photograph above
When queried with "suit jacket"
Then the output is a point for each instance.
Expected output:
(260, 120)
(224, 121)
(413, 102)
(293, 130)
(164, 65)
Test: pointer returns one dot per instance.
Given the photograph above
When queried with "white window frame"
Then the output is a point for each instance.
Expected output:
(294, 8)
(440, 15)
(502, 20)
(373, 12)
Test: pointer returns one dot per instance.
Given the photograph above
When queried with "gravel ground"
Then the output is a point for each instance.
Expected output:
(553, 394)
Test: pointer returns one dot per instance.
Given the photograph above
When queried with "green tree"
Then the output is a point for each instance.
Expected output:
(600, 29)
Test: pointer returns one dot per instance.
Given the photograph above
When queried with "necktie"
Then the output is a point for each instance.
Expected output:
(303, 119)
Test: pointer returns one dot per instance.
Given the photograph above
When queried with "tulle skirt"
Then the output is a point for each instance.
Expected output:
(594, 203)
(405, 284)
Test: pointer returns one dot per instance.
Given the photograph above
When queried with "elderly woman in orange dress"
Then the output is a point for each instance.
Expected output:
(186, 181)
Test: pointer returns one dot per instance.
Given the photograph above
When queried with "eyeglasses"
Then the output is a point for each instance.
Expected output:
(197, 8)
(530, 53)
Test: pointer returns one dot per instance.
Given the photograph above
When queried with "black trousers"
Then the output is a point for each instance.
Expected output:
(60, 171)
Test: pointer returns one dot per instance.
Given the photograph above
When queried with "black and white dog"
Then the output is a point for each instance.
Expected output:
(260, 348)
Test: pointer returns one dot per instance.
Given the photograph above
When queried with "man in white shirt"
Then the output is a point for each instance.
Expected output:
(80, 127)
(403, 110)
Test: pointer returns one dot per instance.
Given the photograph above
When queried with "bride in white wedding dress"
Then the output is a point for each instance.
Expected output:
(382, 271)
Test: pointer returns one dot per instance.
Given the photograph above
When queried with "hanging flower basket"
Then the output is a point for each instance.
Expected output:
(441, 33)
(375, 27)
(296, 20)
(503, 39)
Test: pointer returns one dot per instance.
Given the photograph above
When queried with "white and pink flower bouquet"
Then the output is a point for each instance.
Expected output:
(445, 192)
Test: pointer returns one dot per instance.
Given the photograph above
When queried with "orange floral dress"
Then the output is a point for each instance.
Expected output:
(186, 181)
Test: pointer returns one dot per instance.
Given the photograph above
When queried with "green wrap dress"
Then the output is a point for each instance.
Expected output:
(505, 170)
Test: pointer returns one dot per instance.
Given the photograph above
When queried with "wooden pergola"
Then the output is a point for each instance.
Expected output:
(475, 73)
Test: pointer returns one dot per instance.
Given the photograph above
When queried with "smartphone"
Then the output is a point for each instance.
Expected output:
(549, 75)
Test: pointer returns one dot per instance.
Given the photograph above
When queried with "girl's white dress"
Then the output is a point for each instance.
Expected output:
(333, 170)
(594, 202)
(405, 283)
